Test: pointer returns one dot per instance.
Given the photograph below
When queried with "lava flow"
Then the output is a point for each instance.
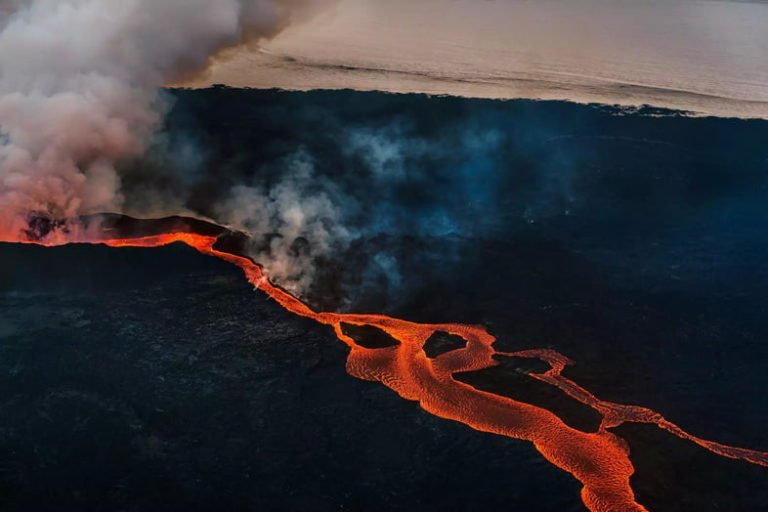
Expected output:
(599, 460)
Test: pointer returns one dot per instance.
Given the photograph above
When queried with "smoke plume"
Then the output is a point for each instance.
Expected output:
(296, 220)
(80, 89)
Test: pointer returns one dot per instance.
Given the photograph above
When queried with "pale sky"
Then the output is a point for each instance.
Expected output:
(704, 56)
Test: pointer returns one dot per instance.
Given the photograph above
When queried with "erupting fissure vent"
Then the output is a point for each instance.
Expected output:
(599, 460)
(41, 225)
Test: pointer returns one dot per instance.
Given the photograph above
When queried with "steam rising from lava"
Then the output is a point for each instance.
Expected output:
(79, 89)
(302, 215)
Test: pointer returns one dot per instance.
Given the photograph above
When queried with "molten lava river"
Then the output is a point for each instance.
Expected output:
(599, 460)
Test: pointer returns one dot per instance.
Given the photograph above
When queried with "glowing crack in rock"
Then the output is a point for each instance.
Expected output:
(599, 460)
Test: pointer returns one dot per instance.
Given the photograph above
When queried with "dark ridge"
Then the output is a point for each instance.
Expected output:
(511, 379)
(368, 336)
(40, 225)
(442, 342)
(123, 226)
(232, 242)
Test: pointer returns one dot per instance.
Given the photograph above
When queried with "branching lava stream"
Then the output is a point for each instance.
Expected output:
(599, 460)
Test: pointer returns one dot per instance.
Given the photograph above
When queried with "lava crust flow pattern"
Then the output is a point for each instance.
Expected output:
(599, 460)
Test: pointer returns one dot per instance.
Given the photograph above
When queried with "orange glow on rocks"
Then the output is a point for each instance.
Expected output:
(599, 460)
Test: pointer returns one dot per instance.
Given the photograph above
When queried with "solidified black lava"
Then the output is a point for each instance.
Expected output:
(177, 388)
(123, 226)
(511, 379)
(442, 342)
(368, 336)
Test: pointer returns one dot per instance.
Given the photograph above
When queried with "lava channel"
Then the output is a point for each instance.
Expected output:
(599, 460)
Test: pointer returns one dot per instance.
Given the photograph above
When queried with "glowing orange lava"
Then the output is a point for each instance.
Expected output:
(599, 460)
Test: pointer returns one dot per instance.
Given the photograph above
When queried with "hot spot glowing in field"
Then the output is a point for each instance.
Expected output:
(599, 460)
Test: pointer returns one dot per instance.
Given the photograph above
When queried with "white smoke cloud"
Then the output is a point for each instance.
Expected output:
(79, 88)
(293, 222)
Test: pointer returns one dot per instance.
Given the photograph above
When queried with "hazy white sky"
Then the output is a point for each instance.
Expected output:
(706, 56)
